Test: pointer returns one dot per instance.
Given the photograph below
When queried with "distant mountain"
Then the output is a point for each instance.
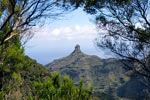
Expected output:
(106, 75)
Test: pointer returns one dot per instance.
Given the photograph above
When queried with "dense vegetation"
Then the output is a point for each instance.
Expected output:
(55, 89)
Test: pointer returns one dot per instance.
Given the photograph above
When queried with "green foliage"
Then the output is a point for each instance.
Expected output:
(17, 77)
(55, 89)
(2, 95)
(17, 71)
(144, 37)
(93, 6)
(4, 4)
(12, 56)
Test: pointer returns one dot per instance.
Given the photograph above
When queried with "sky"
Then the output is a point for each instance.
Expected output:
(58, 38)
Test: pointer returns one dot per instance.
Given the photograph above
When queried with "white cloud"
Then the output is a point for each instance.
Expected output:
(66, 30)
(56, 32)
(77, 27)
(67, 33)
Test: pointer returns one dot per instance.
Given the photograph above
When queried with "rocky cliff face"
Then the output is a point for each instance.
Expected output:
(106, 75)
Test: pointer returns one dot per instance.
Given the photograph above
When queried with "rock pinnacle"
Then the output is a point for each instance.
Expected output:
(77, 49)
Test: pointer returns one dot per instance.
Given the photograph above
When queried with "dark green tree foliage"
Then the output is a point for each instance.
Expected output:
(13, 56)
(2, 95)
(12, 62)
(56, 89)
(93, 6)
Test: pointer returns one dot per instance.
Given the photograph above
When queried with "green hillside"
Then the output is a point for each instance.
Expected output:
(106, 75)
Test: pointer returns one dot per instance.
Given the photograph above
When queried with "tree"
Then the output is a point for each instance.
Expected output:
(18, 16)
(56, 89)
(126, 29)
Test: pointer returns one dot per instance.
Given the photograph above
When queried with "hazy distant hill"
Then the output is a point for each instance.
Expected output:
(106, 75)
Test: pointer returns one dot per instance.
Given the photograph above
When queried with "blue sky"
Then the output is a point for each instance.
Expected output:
(58, 38)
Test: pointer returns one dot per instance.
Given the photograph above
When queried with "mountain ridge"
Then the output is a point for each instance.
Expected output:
(106, 75)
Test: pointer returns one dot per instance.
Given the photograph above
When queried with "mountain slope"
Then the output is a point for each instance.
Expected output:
(106, 75)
